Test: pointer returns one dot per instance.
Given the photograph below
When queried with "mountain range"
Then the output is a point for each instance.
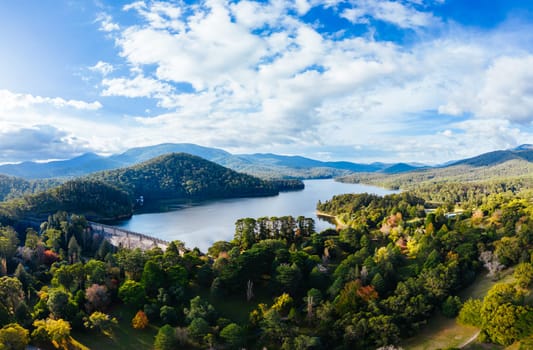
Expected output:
(516, 163)
(265, 165)
(523, 152)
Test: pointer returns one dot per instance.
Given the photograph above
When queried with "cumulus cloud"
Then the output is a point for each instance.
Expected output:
(39, 142)
(138, 86)
(39, 128)
(500, 88)
(403, 15)
(259, 76)
(102, 67)
(106, 22)
(159, 14)
(10, 100)
(507, 90)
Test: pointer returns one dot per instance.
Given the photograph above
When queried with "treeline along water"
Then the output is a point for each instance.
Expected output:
(201, 224)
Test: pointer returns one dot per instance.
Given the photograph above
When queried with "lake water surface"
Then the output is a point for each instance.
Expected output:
(202, 224)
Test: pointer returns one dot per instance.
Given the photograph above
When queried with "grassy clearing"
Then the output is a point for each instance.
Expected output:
(232, 307)
(482, 284)
(442, 332)
(123, 337)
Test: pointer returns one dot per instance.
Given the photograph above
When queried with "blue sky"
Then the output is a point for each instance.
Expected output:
(382, 80)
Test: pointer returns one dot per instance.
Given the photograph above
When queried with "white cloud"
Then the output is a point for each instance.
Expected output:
(264, 80)
(106, 22)
(468, 138)
(39, 142)
(395, 12)
(254, 14)
(160, 15)
(450, 108)
(139, 86)
(36, 128)
(507, 91)
(102, 67)
(11, 101)
(211, 50)
(501, 87)
(302, 6)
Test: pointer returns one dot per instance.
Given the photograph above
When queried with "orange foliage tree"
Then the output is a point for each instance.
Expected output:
(140, 321)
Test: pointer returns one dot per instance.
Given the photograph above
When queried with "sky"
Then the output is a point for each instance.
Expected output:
(423, 81)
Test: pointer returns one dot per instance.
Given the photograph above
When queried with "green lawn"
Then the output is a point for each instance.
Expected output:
(235, 308)
(442, 332)
(123, 337)
(482, 284)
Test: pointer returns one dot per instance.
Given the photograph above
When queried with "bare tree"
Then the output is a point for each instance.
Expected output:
(491, 263)
(249, 290)
(364, 274)
(309, 307)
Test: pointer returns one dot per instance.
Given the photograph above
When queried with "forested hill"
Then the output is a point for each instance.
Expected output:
(181, 175)
(523, 152)
(496, 166)
(12, 187)
(111, 194)
(94, 199)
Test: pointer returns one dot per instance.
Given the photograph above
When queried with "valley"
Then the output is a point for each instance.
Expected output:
(398, 270)
(266, 175)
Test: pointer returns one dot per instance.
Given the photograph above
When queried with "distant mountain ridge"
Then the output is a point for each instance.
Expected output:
(90, 162)
(265, 165)
(516, 163)
(523, 152)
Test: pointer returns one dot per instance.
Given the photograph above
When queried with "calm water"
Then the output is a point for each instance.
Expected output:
(207, 222)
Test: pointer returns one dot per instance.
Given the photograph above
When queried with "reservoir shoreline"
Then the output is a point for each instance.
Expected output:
(202, 224)
(339, 225)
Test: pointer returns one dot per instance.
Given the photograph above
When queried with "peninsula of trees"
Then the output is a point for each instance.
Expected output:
(113, 194)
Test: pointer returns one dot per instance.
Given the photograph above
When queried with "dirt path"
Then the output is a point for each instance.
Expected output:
(340, 225)
(469, 340)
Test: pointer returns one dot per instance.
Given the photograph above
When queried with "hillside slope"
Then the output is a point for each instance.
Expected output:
(13, 187)
(111, 194)
(94, 199)
(513, 164)
(180, 175)
(523, 152)
(511, 169)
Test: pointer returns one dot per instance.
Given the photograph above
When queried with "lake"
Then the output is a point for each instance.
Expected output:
(202, 224)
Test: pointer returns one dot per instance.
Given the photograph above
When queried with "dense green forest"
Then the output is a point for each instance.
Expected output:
(278, 284)
(180, 175)
(175, 175)
(13, 187)
(112, 195)
(96, 200)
